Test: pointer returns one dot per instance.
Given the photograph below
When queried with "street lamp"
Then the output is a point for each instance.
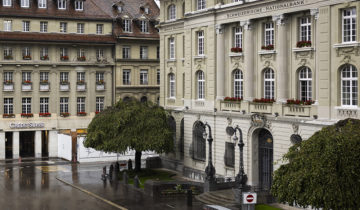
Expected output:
(241, 177)
(210, 169)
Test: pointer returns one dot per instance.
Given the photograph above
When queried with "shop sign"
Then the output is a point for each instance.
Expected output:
(26, 125)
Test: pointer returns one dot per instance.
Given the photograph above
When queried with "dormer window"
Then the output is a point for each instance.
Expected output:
(144, 26)
(25, 3)
(127, 25)
(146, 10)
(120, 9)
(42, 3)
(7, 3)
(61, 4)
(79, 5)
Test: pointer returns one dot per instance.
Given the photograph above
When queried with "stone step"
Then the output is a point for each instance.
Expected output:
(224, 196)
(213, 198)
(220, 197)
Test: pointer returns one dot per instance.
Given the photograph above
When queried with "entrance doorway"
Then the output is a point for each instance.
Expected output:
(8, 145)
(27, 144)
(45, 143)
(265, 159)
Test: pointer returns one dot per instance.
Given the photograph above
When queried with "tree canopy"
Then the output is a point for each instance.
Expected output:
(140, 126)
(323, 171)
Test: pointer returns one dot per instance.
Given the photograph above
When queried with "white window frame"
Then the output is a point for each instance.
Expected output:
(42, 4)
(100, 77)
(61, 4)
(143, 52)
(64, 105)
(158, 77)
(172, 86)
(80, 106)
(172, 48)
(63, 27)
(269, 84)
(26, 76)
(238, 37)
(26, 26)
(126, 52)
(25, 3)
(80, 28)
(305, 32)
(8, 76)
(269, 33)
(238, 83)
(305, 84)
(144, 26)
(80, 76)
(64, 76)
(352, 84)
(7, 25)
(144, 77)
(8, 106)
(7, 3)
(99, 28)
(126, 77)
(200, 85)
(44, 105)
(44, 76)
(172, 12)
(63, 52)
(100, 104)
(26, 105)
(99, 53)
(43, 26)
(349, 36)
(7, 51)
(79, 5)
(26, 51)
(201, 4)
(127, 25)
(201, 43)
(81, 52)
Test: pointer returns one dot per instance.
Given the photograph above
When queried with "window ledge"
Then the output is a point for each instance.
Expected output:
(200, 57)
(235, 54)
(347, 107)
(266, 52)
(171, 60)
(350, 44)
(303, 49)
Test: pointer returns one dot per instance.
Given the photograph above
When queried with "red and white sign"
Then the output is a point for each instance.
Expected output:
(249, 198)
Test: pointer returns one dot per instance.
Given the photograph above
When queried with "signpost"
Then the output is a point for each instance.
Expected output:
(249, 200)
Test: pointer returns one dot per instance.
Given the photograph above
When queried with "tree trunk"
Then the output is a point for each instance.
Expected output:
(137, 160)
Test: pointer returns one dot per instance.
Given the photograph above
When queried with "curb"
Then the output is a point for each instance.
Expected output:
(93, 195)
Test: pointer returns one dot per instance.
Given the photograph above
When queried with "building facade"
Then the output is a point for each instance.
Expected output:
(59, 67)
(273, 68)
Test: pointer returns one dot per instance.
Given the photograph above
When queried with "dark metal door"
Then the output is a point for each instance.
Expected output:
(265, 159)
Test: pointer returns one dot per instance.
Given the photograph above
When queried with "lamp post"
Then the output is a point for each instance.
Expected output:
(210, 169)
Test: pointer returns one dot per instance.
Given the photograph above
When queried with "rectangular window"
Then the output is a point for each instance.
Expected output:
(64, 105)
(127, 25)
(26, 76)
(26, 53)
(99, 28)
(143, 77)
(238, 37)
(80, 28)
(8, 106)
(7, 53)
(64, 77)
(126, 52)
(80, 104)
(42, 3)
(26, 26)
(25, 3)
(230, 154)
(80, 76)
(349, 25)
(44, 53)
(26, 105)
(99, 104)
(7, 25)
(43, 26)
(269, 34)
(143, 52)
(172, 85)
(63, 27)
(157, 52)
(126, 77)
(81, 54)
(7, 3)
(172, 48)
(201, 4)
(99, 54)
(44, 77)
(61, 4)
(158, 77)
(8, 77)
(305, 29)
(44, 105)
(100, 77)
(201, 43)
(144, 26)
(63, 52)
(79, 5)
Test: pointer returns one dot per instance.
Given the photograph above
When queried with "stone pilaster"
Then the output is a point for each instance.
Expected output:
(16, 144)
(38, 144)
(281, 79)
(53, 144)
(2, 146)
(220, 62)
(249, 88)
(315, 14)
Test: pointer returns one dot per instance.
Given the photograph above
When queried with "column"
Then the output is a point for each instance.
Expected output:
(38, 144)
(16, 144)
(249, 88)
(2, 145)
(53, 144)
(282, 80)
(315, 13)
(220, 62)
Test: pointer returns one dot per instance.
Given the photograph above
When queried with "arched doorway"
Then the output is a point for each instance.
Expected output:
(265, 149)
(143, 99)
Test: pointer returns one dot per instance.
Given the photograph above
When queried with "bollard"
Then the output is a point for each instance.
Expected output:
(189, 197)
(130, 165)
(125, 178)
(117, 167)
(103, 175)
(111, 169)
(136, 181)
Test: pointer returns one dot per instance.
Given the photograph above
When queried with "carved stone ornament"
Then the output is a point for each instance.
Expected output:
(295, 128)
(220, 29)
(355, 50)
(303, 62)
(229, 121)
(347, 59)
(258, 120)
(246, 24)
(304, 54)
(198, 67)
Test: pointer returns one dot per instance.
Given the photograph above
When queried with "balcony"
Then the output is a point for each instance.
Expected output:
(26, 86)
(347, 112)
(44, 86)
(297, 110)
(80, 86)
(9, 86)
(265, 108)
(233, 106)
(64, 86)
(100, 86)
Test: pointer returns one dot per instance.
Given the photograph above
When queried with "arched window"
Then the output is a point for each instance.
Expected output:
(172, 12)
(269, 84)
(305, 84)
(143, 99)
(171, 85)
(172, 125)
(126, 99)
(199, 146)
(200, 85)
(349, 86)
(238, 83)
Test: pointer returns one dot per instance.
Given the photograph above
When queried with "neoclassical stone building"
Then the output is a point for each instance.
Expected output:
(273, 68)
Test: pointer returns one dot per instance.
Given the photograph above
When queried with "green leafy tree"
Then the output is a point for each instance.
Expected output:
(131, 125)
(323, 171)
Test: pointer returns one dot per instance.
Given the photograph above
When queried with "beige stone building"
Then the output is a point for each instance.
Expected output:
(273, 68)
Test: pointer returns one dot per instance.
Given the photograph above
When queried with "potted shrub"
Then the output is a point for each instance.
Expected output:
(268, 47)
(100, 82)
(45, 57)
(64, 82)
(64, 58)
(299, 102)
(45, 81)
(46, 114)
(81, 114)
(27, 115)
(301, 44)
(64, 114)
(80, 82)
(264, 100)
(8, 82)
(27, 82)
(236, 50)
(27, 57)
(8, 115)
(8, 57)
(81, 58)
(233, 99)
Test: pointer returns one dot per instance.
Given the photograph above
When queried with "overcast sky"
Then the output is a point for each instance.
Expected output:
(158, 3)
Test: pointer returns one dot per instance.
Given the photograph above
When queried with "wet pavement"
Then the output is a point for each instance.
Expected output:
(35, 185)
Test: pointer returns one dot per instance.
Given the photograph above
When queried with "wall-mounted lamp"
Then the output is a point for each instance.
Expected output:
(276, 114)
(243, 111)
(315, 117)
(215, 109)
(186, 107)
